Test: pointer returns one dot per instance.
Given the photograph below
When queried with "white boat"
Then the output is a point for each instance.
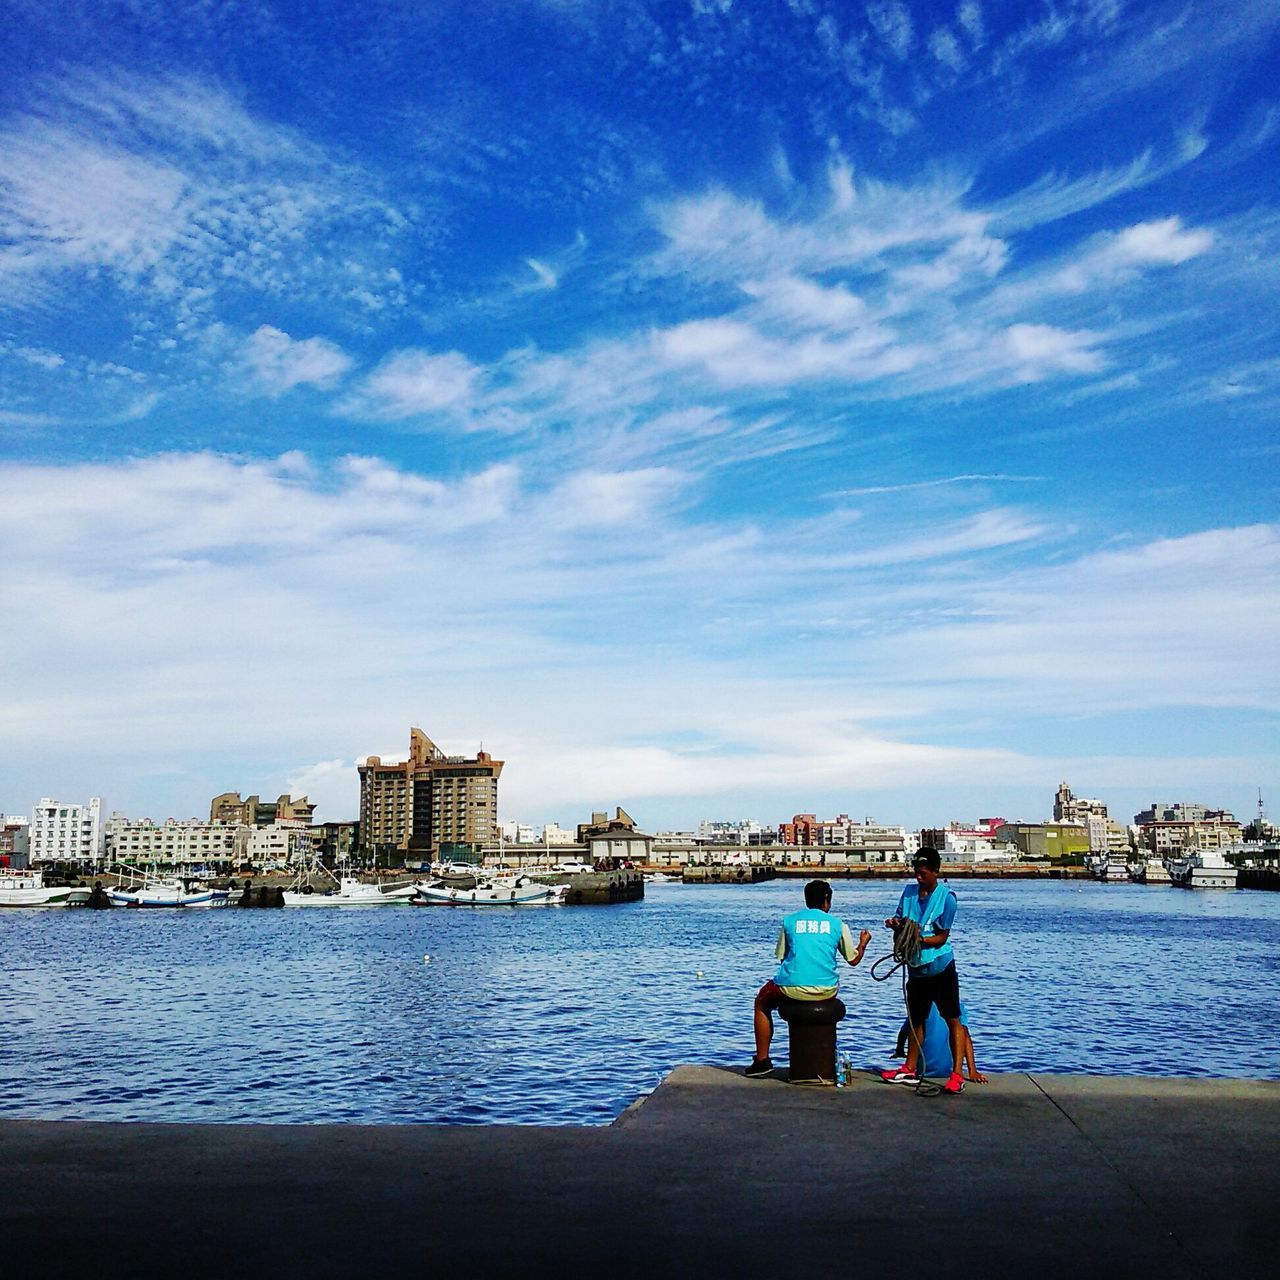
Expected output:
(1152, 871)
(28, 889)
(1201, 869)
(509, 891)
(170, 891)
(1110, 867)
(349, 892)
(661, 877)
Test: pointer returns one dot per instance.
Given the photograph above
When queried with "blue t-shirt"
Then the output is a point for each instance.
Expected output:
(812, 939)
(937, 911)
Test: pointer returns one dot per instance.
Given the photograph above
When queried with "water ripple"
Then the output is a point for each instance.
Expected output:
(565, 1016)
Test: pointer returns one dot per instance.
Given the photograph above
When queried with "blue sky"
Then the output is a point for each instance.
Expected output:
(718, 409)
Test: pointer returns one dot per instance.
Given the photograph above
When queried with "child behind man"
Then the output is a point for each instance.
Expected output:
(937, 1046)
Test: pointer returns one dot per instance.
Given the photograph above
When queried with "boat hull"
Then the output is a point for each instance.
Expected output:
(42, 897)
(158, 899)
(499, 895)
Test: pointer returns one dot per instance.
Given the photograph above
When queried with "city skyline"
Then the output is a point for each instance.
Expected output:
(707, 408)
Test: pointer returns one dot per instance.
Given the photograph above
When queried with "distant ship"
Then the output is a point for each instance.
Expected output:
(1201, 869)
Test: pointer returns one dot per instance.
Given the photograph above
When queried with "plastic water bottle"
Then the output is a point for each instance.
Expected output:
(844, 1071)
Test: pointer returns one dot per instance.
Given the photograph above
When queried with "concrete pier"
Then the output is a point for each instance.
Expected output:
(712, 1175)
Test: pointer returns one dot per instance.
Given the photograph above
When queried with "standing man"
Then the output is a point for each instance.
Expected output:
(931, 977)
(808, 944)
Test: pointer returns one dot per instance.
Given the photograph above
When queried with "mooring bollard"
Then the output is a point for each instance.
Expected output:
(811, 1030)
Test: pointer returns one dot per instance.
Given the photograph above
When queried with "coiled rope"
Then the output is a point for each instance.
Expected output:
(905, 953)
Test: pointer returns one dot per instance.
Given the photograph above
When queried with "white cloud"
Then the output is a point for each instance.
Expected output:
(413, 383)
(1038, 350)
(190, 195)
(350, 589)
(946, 49)
(277, 363)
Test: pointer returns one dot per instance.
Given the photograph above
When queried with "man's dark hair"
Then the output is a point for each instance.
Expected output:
(929, 858)
(817, 893)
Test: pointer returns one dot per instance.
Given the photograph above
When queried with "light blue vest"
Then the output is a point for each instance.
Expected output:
(812, 939)
(932, 959)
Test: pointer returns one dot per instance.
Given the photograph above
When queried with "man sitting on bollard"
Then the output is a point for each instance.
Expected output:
(808, 944)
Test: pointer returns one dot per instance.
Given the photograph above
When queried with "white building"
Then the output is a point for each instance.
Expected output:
(284, 842)
(174, 843)
(554, 834)
(68, 832)
(740, 831)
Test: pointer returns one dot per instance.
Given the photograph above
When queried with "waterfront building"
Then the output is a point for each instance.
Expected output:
(228, 807)
(1046, 839)
(336, 841)
(1072, 808)
(1216, 830)
(68, 832)
(280, 844)
(1106, 835)
(554, 834)
(174, 843)
(744, 831)
(430, 805)
(15, 841)
(979, 842)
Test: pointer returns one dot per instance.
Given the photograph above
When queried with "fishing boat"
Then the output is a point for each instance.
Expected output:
(348, 891)
(1201, 869)
(344, 890)
(166, 891)
(1108, 867)
(504, 891)
(28, 889)
(1152, 871)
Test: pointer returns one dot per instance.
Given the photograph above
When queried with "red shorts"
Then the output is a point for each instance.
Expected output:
(770, 996)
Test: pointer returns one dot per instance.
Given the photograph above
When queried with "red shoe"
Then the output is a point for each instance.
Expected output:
(955, 1083)
(900, 1075)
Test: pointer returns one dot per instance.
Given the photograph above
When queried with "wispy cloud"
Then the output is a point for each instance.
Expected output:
(976, 478)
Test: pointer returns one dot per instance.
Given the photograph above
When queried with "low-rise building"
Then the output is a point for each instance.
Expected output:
(281, 844)
(174, 842)
(1046, 839)
(73, 833)
(15, 841)
(1215, 831)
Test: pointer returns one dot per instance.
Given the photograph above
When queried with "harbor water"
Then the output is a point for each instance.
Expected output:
(563, 1015)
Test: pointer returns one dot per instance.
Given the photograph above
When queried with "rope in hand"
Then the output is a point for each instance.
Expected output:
(906, 952)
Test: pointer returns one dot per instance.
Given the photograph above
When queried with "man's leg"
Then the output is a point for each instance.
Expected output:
(919, 1002)
(767, 1000)
(948, 997)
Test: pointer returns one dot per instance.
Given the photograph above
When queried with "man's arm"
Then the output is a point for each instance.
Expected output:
(780, 949)
(851, 953)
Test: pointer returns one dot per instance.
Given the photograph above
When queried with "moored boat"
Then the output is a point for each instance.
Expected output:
(1153, 871)
(28, 889)
(1201, 869)
(348, 891)
(169, 891)
(511, 891)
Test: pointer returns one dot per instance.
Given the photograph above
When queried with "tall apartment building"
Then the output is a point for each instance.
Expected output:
(228, 807)
(67, 832)
(430, 804)
(1072, 808)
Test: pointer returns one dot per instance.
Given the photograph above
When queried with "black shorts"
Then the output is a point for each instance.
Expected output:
(942, 989)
